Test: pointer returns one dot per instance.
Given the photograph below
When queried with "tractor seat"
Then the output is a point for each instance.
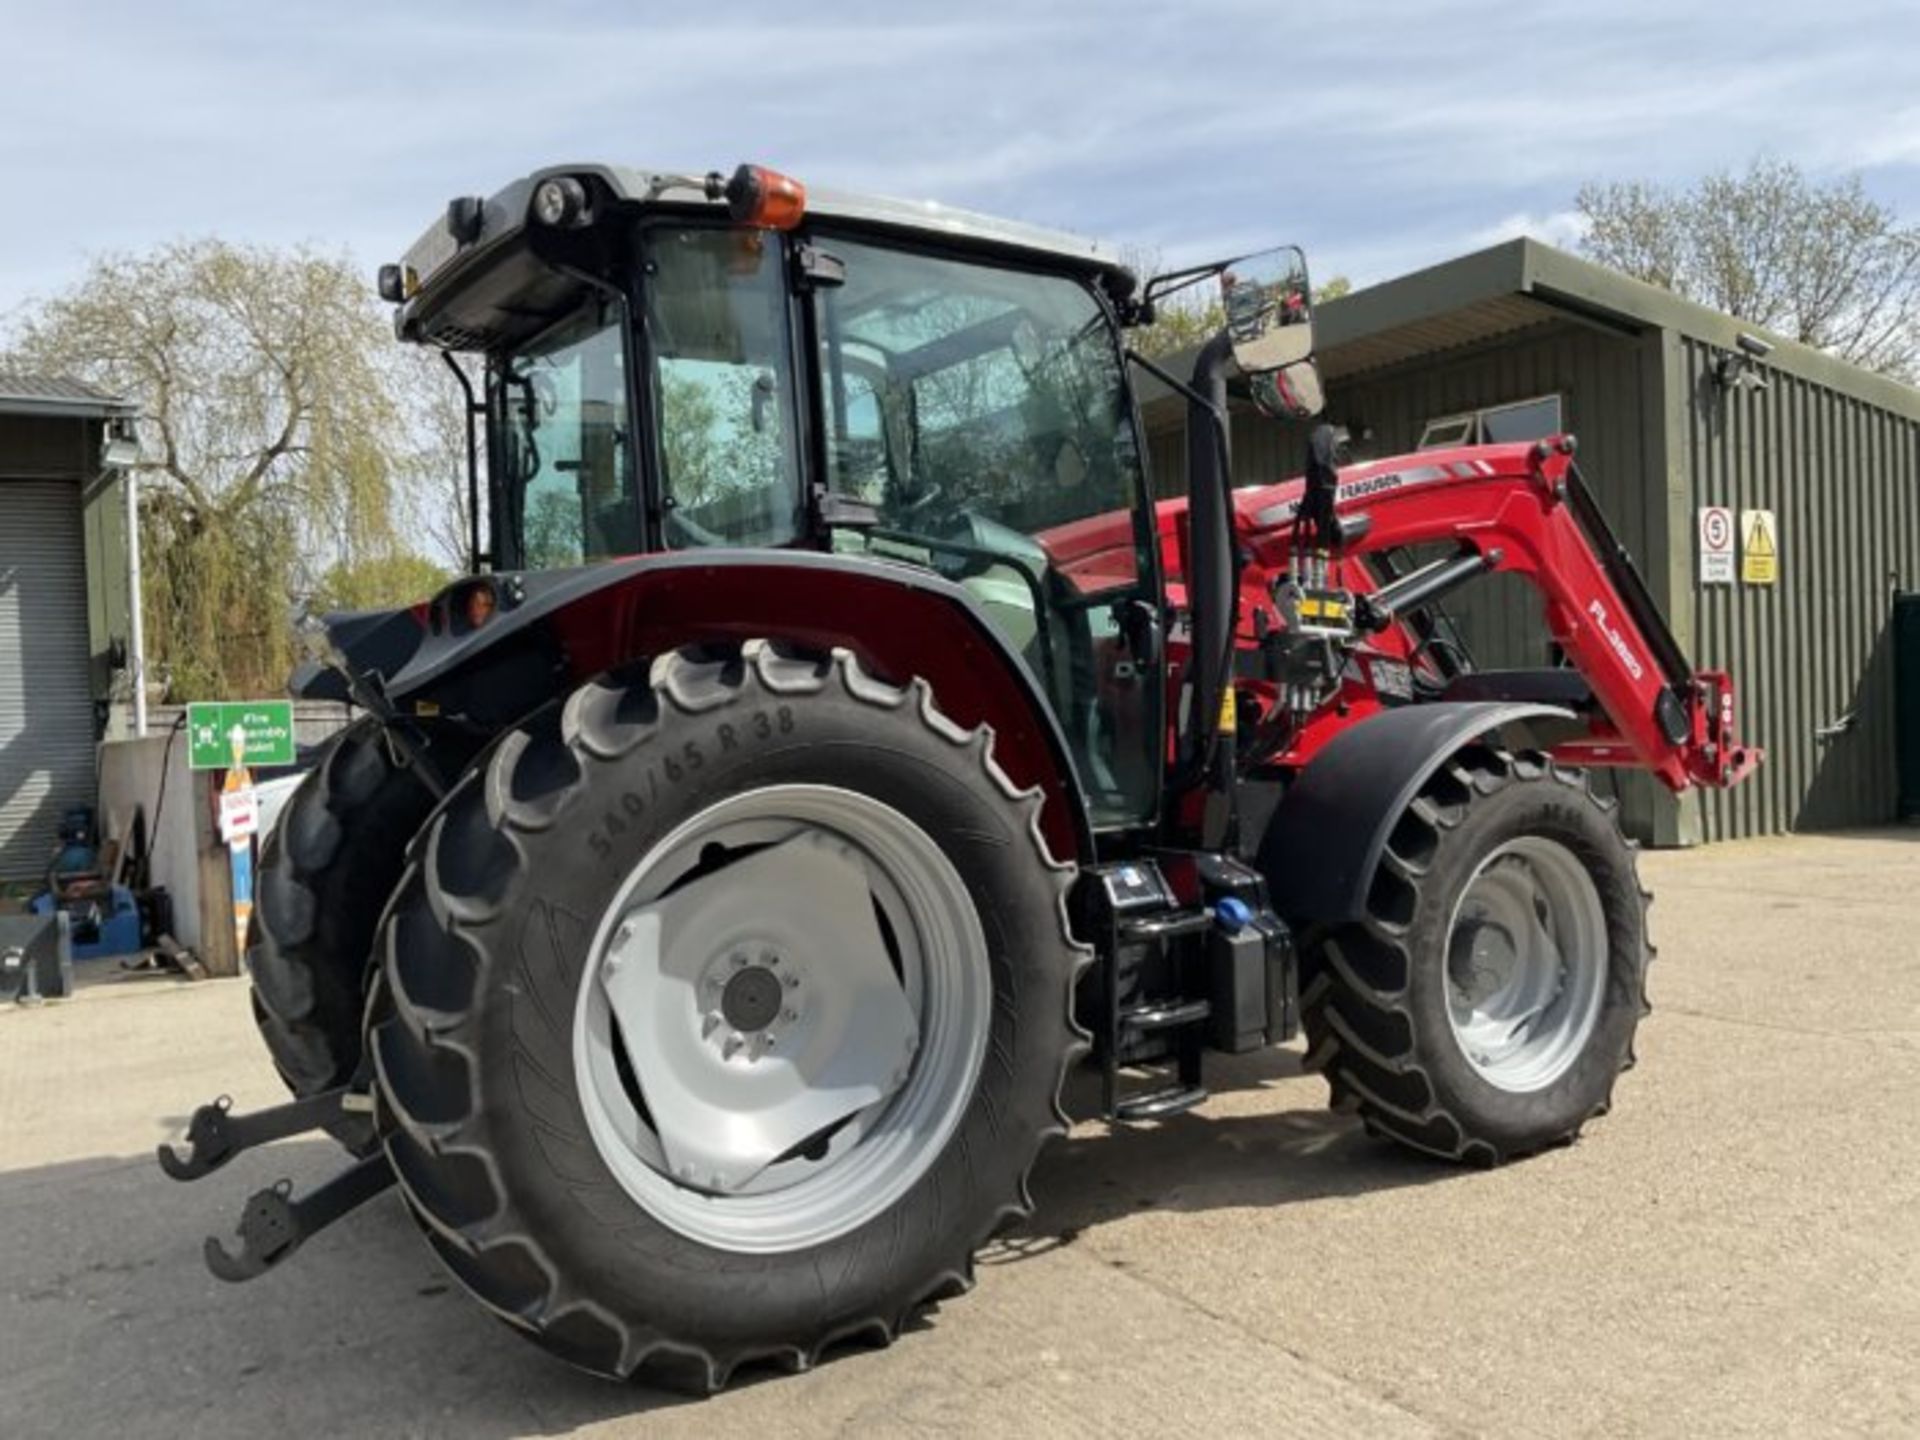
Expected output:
(1568, 688)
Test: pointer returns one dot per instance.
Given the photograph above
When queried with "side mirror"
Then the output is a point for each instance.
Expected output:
(1269, 307)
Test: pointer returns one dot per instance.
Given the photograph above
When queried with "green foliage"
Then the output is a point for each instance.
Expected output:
(553, 530)
(1824, 264)
(1181, 324)
(378, 583)
(272, 443)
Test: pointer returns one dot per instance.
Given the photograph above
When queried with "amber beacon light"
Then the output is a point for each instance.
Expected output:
(761, 197)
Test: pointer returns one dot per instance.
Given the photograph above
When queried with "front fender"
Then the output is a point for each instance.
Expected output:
(1324, 841)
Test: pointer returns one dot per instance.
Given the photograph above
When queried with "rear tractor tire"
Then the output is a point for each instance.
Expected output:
(726, 1008)
(326, 871)
(1486, 1004)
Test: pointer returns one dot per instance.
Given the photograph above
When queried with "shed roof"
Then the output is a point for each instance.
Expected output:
(57, 395)
(1522, 283)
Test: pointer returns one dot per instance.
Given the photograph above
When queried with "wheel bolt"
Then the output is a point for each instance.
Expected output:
(789, 1015)
(793, 982)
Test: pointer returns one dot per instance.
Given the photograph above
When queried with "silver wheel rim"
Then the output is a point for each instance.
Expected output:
(782, 1018)
(1526, 964)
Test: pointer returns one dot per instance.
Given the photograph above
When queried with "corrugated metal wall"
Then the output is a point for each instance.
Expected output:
(1602, 381)
(68, 450)
(1843, 477)
(46, 704)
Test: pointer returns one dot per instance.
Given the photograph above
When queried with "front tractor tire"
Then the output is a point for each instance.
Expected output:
(1485, 1005)
(726, 1008)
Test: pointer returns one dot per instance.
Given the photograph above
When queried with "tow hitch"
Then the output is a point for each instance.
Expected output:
(274, 1223)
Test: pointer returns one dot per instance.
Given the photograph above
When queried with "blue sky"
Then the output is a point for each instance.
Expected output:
(1382, 135)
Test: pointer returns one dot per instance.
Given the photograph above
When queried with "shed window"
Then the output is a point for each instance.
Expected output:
(1533, 419)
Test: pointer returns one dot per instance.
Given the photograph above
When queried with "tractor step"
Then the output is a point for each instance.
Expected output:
(215, 1134)
(1159, 1104)
(274, 1224)
(1164, 926)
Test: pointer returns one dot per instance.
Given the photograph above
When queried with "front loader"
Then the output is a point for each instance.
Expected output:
(836, 743)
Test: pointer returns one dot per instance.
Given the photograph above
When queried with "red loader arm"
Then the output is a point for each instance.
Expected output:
(1520, 508)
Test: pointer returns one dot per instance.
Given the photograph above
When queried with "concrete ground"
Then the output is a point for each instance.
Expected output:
(1736, 1249)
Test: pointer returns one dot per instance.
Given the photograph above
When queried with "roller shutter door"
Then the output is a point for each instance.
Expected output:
(46, 702)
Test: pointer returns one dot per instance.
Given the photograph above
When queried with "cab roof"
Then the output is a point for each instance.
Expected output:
(439, 261)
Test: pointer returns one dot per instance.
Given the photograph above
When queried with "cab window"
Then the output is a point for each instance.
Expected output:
(716, 316)
(564, 472)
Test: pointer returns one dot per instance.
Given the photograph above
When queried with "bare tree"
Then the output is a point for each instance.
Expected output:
(1825, 264)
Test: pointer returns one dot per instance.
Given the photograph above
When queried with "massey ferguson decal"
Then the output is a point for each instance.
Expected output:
(1352, 490)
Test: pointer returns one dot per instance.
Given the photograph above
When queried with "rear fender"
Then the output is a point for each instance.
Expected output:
(567, 626)
(1326, 837)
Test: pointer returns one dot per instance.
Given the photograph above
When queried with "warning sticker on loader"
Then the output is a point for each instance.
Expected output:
(1759, 548)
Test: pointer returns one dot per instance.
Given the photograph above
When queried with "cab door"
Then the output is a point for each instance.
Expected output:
(977, 417)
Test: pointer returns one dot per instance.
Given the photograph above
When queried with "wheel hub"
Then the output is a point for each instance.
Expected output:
(1527, 955)
(1484, 959)
(784, 1018)
(752, 999)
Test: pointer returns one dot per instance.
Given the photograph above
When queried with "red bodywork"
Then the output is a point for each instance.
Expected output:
(1506, 498)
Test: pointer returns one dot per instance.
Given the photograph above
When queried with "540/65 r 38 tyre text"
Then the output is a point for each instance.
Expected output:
(727, 1010)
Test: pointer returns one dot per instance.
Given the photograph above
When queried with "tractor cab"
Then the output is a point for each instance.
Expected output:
(685, 364)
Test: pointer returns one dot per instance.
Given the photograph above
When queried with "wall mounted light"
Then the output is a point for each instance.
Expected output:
(1735, 367)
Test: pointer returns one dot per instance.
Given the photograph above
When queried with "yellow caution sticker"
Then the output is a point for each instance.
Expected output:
(1759, 548)
(1229, 714)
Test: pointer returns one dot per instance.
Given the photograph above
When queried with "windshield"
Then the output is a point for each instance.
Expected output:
(564, 475)
(962, 387)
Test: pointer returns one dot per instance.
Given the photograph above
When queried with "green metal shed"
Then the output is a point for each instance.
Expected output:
(1669, 421)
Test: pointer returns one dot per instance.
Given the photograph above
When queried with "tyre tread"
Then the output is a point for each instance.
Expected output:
(1349, 1019)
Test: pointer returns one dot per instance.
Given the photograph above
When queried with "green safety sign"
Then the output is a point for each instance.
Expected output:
(265, 738)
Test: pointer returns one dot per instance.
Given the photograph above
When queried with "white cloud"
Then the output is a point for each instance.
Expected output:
(1564, 228)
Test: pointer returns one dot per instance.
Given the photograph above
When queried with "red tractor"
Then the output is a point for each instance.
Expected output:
(835, 744)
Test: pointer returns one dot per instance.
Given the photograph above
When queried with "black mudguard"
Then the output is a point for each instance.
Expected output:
(1325, 838)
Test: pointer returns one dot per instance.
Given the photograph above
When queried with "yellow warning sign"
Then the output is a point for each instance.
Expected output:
(1759, 547)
